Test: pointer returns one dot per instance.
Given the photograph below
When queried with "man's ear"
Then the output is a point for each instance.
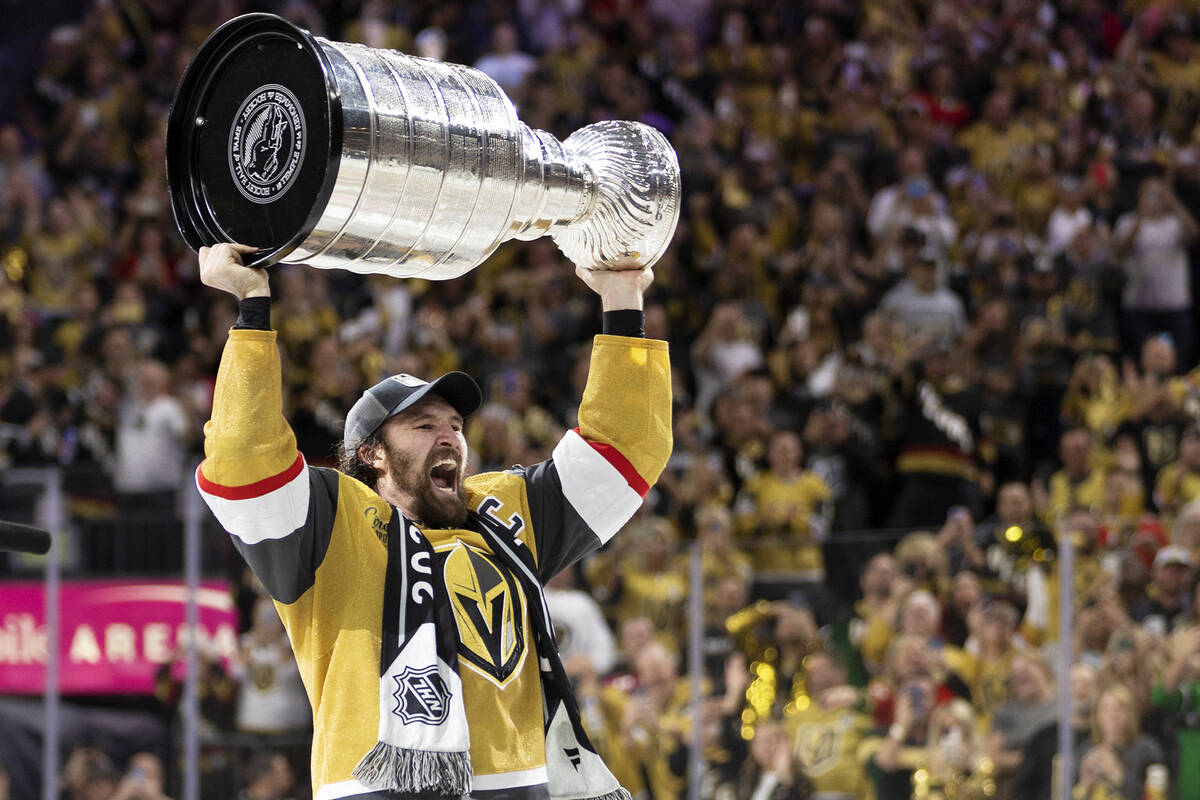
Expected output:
(372, 455)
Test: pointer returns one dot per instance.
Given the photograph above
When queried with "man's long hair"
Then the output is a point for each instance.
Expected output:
(349, 463)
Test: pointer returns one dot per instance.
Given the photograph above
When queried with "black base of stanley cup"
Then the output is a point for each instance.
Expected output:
(254, 138)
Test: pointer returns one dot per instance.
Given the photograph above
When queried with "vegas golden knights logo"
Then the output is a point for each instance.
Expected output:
(819, 747)
(488, 609)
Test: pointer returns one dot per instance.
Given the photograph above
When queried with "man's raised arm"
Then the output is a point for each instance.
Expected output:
(600, 471)
(279, 512)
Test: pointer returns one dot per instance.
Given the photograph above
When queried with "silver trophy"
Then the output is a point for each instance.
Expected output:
(343, 156)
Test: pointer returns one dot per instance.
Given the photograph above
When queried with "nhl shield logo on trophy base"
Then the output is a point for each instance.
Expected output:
(339, 155)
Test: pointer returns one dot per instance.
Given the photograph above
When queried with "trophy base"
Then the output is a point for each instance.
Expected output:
(254, 139)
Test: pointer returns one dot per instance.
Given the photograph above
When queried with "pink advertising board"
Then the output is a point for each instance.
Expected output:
(113, 636)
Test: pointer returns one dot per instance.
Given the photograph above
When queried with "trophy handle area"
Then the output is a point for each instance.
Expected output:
(634, 202)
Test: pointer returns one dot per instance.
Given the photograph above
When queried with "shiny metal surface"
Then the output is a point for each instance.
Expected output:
(436, 171)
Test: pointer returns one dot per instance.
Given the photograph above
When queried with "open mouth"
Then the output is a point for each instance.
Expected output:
(444, 476)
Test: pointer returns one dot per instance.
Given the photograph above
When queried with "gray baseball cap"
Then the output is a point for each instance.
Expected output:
(392, 395)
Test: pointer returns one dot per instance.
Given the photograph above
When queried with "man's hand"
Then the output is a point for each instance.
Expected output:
(221, 268)
(620, 287)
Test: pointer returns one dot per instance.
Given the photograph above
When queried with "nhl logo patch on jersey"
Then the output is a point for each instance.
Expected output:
(421, 696)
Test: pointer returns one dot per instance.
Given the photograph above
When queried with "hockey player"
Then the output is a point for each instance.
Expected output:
(413, 594)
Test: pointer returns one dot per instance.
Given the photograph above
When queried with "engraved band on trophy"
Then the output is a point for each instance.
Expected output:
(342, 156)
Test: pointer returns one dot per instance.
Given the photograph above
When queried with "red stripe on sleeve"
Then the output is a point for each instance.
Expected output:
(250, 490)
(614, 456)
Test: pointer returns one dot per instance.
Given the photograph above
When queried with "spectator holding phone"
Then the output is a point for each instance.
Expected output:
(958, 764)
(912, 201)
(904, 749)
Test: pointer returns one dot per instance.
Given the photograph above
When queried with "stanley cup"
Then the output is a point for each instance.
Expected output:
(342, 156)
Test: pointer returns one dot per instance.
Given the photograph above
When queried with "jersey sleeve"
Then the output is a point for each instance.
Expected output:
(599, 472)
(279, 511)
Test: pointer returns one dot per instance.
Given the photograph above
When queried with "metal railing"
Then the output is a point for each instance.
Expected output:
(51, 512)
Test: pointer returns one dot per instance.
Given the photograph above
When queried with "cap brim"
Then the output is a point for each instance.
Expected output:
(457, 388)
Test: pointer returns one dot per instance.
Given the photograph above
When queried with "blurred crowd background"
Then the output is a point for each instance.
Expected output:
(931, 318)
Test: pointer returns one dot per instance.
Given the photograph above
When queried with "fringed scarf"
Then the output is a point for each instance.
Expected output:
(423, 742)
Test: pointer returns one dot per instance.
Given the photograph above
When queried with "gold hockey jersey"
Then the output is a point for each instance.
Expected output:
(316, 539)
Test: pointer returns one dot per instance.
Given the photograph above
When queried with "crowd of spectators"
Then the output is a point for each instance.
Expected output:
(931, 319)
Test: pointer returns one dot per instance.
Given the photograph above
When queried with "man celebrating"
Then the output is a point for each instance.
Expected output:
(412, 593)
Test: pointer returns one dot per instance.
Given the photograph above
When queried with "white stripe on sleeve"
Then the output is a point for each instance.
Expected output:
(272, 515)
(595, 488)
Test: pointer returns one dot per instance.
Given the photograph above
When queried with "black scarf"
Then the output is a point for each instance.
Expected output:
(423, 738)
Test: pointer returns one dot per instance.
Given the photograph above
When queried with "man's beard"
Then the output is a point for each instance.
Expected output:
(431, 508)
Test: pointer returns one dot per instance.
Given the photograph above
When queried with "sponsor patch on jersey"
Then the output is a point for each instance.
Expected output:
(489, 610)
(421, 696)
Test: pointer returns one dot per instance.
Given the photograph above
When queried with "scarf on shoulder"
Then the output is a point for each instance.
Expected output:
(424, 743)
